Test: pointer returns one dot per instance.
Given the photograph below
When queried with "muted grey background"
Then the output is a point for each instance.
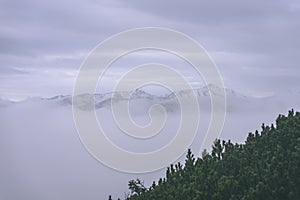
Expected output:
(255, 44)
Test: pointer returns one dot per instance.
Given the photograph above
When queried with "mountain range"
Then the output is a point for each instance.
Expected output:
(235, 100)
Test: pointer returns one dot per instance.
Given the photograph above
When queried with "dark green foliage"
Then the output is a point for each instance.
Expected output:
(265, 167)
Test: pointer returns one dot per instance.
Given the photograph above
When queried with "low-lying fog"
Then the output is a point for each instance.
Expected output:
(42, 156)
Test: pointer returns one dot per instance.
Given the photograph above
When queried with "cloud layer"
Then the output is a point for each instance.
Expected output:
(255, 44)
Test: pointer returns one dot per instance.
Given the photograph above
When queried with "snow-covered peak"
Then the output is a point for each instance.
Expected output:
(103, 99)
(139, 93)
(212, 89)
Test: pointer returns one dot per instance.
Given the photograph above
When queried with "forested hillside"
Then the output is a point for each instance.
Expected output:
(266, 167)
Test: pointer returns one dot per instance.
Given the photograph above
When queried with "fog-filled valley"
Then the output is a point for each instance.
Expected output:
(42, 156)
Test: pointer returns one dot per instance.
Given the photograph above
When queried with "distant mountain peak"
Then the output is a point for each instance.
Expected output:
(104, 99)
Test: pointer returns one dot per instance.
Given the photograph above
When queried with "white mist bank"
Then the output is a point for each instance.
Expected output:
(42, 157)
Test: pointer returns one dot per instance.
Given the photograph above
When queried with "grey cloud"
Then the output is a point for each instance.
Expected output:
(268, 28)
(253, 34)
(53, 27)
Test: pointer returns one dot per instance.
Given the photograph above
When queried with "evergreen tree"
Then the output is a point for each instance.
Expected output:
(266, 167)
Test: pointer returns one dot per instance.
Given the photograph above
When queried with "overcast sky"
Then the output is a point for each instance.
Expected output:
(255, 44)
